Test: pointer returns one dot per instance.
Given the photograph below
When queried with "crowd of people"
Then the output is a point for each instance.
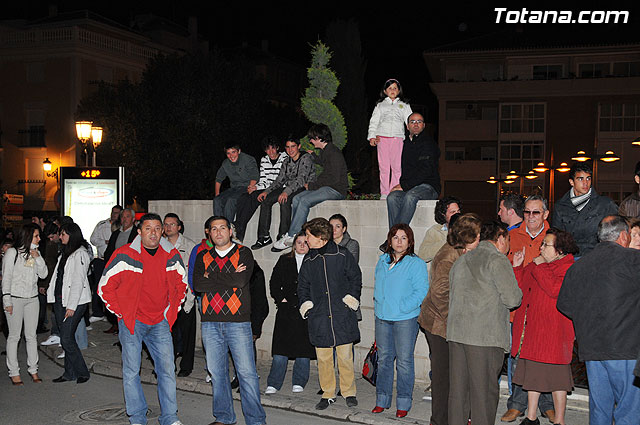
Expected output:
(518, 287)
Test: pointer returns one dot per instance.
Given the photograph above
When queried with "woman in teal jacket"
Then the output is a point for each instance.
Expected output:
(401, 284)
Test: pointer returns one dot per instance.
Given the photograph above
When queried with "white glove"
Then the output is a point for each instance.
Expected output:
(351, 302)
(188, 303)
(305, 307)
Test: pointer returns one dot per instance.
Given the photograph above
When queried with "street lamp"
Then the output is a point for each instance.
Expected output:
(96, 136)
(85, 132)
(46, 166)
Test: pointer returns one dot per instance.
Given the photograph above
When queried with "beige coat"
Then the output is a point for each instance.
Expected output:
(433, 240)
(483, 288)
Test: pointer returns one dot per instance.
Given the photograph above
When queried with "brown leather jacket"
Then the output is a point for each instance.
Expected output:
(435, 307)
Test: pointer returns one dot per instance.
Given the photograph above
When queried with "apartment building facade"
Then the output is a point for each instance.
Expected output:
(506, 106)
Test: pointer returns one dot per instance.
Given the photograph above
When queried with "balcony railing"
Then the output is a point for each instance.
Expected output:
(70, 35)
(32, 137)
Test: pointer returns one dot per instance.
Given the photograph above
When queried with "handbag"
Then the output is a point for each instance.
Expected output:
(370, 366)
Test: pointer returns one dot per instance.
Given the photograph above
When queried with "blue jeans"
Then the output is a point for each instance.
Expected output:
(396, 340)
(74, 364)
(612, 394)
(226, 203)
(401, 205)
(279, 370)
(519, 399)
(303, 202)
(158, 340)
(218, 338)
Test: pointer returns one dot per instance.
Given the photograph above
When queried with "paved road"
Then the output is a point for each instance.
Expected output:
(101, 397)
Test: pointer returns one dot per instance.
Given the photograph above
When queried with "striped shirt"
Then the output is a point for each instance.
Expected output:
(269, 171)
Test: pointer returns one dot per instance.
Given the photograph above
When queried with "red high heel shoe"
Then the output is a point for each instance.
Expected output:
(377, 409)
(401, 413)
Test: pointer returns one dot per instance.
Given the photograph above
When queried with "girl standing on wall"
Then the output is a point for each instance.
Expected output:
(386, 131)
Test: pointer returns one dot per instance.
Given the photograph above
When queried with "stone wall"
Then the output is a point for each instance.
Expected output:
(367, 223)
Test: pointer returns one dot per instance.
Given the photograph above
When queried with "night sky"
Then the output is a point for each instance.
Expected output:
(393, 37)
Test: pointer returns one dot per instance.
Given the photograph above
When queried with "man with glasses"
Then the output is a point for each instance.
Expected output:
(581, 209)
(184, 329)
(528, 238)
(332, 184)
(420, 179)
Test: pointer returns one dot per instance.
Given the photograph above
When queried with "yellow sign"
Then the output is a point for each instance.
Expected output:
(90, 174)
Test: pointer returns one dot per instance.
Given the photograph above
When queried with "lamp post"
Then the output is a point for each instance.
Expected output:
(85, 132)
(46, 166)
(542, 168)
(608, 156)
(96, 136)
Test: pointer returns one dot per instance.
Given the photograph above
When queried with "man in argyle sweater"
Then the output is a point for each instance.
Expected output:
(221, 275)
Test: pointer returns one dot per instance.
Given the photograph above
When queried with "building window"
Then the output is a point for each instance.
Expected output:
(454, 153)
(472, 111)
(593, 70)
(626, 69)
(522, 118)
(619, 116)
(470, 151)
(547, 72)
(520, 155)
(33, 137)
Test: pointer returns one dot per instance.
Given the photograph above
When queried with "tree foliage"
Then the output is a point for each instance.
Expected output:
(169, 130)
(317, 102)
(349, 64)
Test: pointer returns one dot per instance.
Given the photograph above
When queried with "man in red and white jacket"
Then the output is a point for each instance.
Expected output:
(144, 284)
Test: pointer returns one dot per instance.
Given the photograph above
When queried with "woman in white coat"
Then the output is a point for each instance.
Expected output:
(22, 265)
(70, 294)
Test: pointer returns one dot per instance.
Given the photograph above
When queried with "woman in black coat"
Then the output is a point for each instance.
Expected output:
(290, 334)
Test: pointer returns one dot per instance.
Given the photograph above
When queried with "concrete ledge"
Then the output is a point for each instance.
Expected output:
(367, 223)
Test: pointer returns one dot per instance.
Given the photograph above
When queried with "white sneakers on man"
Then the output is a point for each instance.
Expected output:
(53, 339)
(94, 319)
(297, 389)
(270, 390)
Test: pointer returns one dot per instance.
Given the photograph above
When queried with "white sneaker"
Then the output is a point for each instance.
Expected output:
(177, 423)
(94, 319)
(89, 328)
(281, 244)
(297, 389)
(207, 379)
(270, 390)
(61, 355)
(53, 339)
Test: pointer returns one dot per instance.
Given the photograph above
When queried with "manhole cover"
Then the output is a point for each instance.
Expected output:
(113, 414)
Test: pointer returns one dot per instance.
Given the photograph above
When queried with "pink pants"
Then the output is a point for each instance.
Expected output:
(389, 161)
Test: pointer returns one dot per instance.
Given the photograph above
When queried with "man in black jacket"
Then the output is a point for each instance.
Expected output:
(601, 294)
(580, 210)
(420, 179)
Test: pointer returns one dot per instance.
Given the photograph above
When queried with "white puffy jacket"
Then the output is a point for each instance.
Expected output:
(75, 283)
(389, 119)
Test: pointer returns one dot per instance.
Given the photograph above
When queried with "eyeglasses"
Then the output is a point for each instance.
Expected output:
(533, 213)
(416, 122)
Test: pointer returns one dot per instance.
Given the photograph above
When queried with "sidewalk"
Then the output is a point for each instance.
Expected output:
(103, 358)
